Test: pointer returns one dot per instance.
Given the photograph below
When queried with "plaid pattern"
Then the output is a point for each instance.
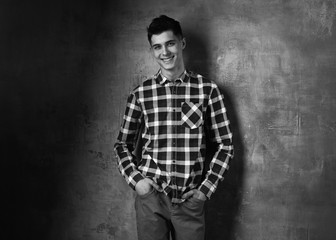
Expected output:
(177, 116)
(191, 114)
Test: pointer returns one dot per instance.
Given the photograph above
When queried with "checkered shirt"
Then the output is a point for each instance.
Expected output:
(176, 115)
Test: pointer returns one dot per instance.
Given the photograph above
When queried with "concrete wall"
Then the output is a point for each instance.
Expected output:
(68, 66)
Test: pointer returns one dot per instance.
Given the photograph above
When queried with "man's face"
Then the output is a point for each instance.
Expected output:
(167, 50)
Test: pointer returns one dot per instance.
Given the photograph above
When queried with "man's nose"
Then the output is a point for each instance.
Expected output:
(165, 50)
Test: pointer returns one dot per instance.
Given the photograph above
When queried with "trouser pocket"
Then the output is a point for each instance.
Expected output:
(152, 216)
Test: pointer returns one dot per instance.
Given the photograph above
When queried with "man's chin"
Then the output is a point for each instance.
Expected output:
(167, 66)
(169, 63)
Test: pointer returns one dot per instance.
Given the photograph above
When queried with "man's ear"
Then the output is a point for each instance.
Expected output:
(184, 43)
(150, 50)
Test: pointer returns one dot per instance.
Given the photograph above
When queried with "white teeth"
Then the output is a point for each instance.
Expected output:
(167, 59)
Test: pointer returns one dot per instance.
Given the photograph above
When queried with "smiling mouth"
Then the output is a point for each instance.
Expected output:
(167, 60)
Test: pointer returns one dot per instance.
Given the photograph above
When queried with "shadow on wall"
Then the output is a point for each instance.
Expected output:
(223, 208)
(46, 65)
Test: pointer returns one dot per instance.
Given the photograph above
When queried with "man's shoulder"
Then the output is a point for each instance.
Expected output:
(145, 83)
(195, 75)
(200, 79)
(152, 80)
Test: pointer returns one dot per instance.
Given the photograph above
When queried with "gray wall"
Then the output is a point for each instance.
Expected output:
(68, 66)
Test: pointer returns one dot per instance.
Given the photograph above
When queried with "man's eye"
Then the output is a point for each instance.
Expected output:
(156, 47)
(171, 44)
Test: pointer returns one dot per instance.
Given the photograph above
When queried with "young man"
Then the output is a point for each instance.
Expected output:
(177, 109)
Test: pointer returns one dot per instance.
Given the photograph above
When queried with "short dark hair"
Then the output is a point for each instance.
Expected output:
(162, 24)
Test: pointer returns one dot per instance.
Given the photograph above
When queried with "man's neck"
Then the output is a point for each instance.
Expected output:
(172, 75)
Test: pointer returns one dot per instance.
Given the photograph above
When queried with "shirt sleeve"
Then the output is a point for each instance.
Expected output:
(126, 142)
(219, 133)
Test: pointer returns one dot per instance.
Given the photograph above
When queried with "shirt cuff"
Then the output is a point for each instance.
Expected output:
(208, 188)
(135, 177)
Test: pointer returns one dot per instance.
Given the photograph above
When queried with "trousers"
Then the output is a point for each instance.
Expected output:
(159, 219)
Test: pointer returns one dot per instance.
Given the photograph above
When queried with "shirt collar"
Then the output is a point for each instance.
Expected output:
(160, 78)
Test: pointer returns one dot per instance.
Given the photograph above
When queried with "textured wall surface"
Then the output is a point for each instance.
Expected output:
(67, 68)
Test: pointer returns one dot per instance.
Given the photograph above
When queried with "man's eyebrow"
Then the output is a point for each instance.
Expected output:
(159, 44)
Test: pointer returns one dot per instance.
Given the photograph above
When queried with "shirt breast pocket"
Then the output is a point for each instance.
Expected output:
(191, 115)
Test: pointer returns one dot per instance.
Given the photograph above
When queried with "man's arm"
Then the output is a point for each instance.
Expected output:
(126, 142)
(218, 128)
